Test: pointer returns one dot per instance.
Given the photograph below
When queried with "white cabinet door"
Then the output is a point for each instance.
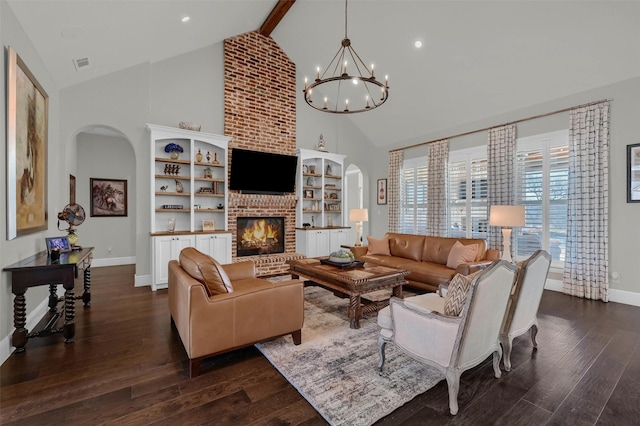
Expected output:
(313, 243)
(338, 238)
(217, 246)
(167, 248)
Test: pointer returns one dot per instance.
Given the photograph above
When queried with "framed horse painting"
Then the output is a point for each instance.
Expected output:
(108, 197)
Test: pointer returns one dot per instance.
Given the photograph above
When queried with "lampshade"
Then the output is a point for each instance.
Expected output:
(358, 215)
(506, 216)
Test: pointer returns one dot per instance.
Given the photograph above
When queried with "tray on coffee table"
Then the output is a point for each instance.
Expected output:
(341, 265)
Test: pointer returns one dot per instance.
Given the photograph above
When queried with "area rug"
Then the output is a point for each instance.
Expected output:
(335, 367)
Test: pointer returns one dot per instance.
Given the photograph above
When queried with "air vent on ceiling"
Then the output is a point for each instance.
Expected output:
(81, 63)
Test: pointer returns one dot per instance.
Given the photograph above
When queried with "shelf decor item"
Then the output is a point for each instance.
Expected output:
(189, 126)
(199, 156)
(174, 150)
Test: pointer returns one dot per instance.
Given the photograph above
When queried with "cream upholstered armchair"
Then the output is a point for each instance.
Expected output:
(452, 343)
(522, 311)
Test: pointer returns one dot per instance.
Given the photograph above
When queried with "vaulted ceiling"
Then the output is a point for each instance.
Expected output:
(478, 59)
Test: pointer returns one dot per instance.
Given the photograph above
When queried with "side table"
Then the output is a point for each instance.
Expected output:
(39, 270)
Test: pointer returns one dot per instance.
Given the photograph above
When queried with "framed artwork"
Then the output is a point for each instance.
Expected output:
(208, 225)
(60, 243)
(108, 197)
(72, 189)
(633, 173)
(382, 191)
(308, 193)
(27, 132)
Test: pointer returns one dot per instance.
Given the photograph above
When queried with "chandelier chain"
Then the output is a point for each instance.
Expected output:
(345, 19)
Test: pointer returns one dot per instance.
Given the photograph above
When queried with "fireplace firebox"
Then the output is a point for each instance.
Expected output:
(259, 235)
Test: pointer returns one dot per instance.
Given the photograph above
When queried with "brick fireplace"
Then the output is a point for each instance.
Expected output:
(260, 114)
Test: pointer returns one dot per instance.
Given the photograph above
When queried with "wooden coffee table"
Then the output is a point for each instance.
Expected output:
(353, 282)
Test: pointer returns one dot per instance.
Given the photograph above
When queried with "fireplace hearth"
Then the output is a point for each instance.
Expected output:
(260, 235)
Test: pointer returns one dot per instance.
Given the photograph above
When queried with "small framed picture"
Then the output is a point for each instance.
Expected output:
(382, 191)
(308, 193)
(60, 243)
(208, 225)
(633, 173)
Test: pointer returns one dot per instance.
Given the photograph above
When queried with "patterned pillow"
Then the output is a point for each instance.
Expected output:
(456, 295)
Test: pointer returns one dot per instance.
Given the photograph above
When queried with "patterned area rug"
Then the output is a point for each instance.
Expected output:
(335, 367)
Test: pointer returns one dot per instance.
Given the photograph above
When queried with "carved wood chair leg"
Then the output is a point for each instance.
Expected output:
(496, 362)
(453, 383)
(506, 352)
(381, 347)
(534, 332)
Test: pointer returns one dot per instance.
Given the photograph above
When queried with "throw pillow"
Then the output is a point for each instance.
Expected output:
(206, 270)
(461, 253)
(379, 246)
(456, 295)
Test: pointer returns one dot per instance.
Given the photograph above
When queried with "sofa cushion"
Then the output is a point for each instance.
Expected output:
(457, 294)
(407, 246)
(461, 253)
(205, 269)
(378, 246)
(436, 249)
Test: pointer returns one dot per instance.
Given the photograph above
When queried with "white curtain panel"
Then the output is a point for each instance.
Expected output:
(501, 147)
(586, 267)
(393, 189)
(437, 188)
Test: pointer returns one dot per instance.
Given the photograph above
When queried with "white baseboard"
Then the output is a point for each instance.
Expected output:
(142, 280)
(113, 261)
(617, 296)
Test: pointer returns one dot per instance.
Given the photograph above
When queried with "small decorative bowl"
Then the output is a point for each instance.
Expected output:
(189, 126)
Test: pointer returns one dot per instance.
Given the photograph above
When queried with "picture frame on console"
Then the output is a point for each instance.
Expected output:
(208, 225)
(633, 173)
(27, 140)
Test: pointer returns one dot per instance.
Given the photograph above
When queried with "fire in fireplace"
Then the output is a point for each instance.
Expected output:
(260, 235)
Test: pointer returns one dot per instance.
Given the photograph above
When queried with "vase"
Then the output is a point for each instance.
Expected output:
(199, 156)
(171, 224)
(174, 154)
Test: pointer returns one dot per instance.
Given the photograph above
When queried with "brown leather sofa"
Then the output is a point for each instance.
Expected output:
(426, 258)
(218, 308)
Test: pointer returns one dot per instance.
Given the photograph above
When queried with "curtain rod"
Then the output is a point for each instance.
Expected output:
(533, 117)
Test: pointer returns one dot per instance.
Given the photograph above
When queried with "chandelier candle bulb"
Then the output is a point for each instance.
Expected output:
(372, 76)
(325, 102)
(318, 74)
(305, 83)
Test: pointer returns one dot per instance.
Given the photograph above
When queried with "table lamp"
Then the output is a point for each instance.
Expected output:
(358, 216)
(506, 217)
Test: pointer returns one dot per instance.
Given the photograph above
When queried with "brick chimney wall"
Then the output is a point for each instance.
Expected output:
(260, 114)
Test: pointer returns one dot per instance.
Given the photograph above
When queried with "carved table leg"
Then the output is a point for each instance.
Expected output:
(397, 291)
(53, 297)
(355, 311)
(69, 329)
(19, 336)
(86, 296)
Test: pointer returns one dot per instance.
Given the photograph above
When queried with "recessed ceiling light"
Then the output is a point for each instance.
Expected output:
(185, 19)
(418, 44)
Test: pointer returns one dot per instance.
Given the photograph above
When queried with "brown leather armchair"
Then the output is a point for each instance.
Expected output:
(218, 308)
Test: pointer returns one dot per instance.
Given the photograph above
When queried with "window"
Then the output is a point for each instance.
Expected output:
(542, 174)
(413, 196)
(467, 190)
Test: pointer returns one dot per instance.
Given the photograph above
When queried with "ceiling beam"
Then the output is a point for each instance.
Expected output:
(276, 15)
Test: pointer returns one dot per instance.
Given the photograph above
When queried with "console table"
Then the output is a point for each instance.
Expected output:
(39, 270)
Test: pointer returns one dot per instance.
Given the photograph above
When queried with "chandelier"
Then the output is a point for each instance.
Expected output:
(339, 86)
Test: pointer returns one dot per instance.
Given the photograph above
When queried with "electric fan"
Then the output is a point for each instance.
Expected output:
(74, 215)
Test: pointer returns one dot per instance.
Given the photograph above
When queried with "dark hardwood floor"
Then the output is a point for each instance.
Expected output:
(128, 367)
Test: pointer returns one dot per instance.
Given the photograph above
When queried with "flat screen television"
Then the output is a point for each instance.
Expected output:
(255, 172)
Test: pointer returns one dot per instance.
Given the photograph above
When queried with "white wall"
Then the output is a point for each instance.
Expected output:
(12, 34)
(106, 157)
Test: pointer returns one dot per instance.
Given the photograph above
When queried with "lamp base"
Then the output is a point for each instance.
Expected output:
(358, 230)
(506, 244)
